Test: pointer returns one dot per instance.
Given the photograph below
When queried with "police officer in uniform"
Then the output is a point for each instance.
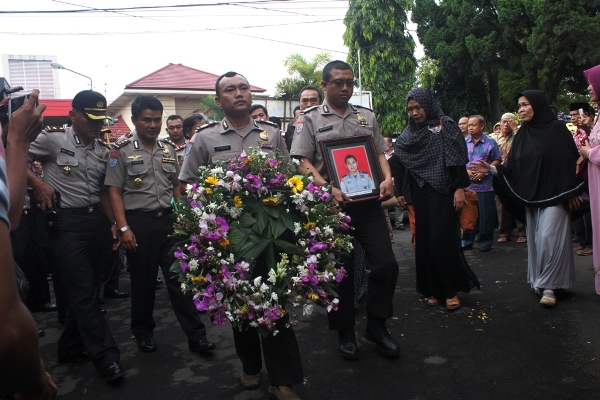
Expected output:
(336, 118)
(142, 178)
(355, 180)
(74, 165)
(222, 141)
(176, 135)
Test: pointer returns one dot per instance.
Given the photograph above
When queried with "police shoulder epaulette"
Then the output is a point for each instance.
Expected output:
(129, 135)
(356, 105)
(201, 128)
(309, 109)
(103, 143)
(120, 144)
(54, 129)
(260, 121)
(168, 141)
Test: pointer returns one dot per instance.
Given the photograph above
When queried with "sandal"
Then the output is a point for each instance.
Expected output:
(432, 301)
(548, 298)
(453, 303)
(522, 239)
(503, 240)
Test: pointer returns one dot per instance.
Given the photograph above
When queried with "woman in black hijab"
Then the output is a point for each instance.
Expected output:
(539, 179)
(433, 150)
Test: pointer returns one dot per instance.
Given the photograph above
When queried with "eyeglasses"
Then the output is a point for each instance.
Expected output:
(340, 84)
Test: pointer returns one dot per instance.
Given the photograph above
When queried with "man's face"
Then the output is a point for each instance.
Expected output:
(308, 98)
(85, 127)
(352, 165)
(339, 88)
(506, 125)
(148, 124)
(575, 117)
(259, 114)
(463, 124)
(297, 114)
(175, 129)
(416, 112)
(234, 95)
(475, 128)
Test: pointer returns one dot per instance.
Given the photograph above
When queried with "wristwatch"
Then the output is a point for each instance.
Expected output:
(123, 230)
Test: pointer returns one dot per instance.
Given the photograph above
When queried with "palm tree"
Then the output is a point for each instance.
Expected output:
(301, 73)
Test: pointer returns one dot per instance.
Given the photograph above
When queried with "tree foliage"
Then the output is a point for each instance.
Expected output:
(211, 109)
(378, 29)
(505, 46)
(301, 73)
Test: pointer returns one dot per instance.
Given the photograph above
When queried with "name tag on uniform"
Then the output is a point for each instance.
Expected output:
(69, 152)
(326, 128)
(225, 147)
(135, 162)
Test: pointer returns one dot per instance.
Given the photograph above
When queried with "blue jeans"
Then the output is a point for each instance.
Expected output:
(486, 205)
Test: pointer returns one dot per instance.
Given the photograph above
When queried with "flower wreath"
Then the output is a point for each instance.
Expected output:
(254, 213)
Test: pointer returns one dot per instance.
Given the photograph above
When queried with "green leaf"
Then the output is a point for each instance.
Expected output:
(262, 220)
(287, 220)
(272, 211)
(237, 237)
(286, 247)
(277, 228)
(246, 220)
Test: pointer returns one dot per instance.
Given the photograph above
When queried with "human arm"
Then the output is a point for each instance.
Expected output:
(118, 209)
(44, 193)
(386, 188)
(306, 167)
(105, 200)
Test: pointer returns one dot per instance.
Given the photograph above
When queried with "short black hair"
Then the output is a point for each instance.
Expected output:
(337, 64)
(227, 75)
(311, 87)
(349, 156)
(174, 116)
(190, 121)
(297, 108)
(256, 107)
(276, 120)
(142, 103)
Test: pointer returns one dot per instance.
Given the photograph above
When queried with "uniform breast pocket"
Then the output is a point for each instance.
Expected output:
(332, 134)
(363, 130)
(224, 156)
(67, 164)
(137, 177)
(169, 170)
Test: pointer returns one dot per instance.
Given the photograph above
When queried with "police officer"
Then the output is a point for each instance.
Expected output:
(176, 135)
(355, 180)
(74, 165)
(222, 141)
(337, 118)
(142, 178)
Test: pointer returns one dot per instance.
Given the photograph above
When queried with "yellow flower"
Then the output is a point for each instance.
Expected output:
(223, 242)
(271, 201)
(199, 279)
(211, 180)
(309, 225)
(237, 201)
(297, 184)
(208, 190)
(313, 296)
(244, 309)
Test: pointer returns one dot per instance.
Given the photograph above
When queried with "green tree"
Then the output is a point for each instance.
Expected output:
(211, 109)
(301, 73)
(378, 29)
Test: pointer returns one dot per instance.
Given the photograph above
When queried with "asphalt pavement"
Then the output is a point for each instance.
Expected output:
(500, 345)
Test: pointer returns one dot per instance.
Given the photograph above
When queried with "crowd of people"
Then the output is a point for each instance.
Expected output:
(93, 200)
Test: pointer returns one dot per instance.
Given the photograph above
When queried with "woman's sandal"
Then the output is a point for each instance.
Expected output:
(453, 303)
(522, 239)
(432, 301)
(548, 298)
(503, 240)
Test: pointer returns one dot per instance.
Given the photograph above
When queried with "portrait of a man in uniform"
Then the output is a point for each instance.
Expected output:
(355, 180)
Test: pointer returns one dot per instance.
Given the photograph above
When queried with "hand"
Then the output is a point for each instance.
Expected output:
(584, 150)
(480, 167)
(116, 239)
(27, 122)
(386, 189)
(459, 199)
(575, 202)
(401, 201)
(128, 241)
(49, 391)
(45, 196)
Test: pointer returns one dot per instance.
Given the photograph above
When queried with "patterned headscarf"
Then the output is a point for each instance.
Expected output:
(428, 148)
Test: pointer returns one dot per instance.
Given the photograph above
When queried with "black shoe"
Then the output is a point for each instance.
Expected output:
(103, 311)
(41, 333)
(201, 346)
(48, 307)
(467, 247)
(112, 372)
(485, 249)
(377, 333)
(115, 294)
(147, 345)
(74, 358)
(158, 281)
(100, 300)
(348, 347)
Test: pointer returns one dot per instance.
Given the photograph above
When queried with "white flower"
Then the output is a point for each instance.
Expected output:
(184, 287)
(297, 228)
(257, 281)
(263, 288)
(272, 276)
(217, 171)
(274, 296)
(193, 264)
(254, 324)
(327, 230)
(307, 309)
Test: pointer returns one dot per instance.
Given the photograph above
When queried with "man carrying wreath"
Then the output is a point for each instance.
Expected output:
(222, 141)
(336, 117)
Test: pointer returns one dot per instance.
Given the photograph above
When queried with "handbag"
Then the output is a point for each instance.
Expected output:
(468, 215)
(582, 169)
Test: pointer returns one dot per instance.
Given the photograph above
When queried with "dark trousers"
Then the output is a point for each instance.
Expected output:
(583, 230)
(282, 356)
(154, 244)
(370, 229)
(79, 250)
(486, 206)
(110, 273)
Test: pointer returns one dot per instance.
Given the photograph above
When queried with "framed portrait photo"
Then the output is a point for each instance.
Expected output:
(353, 166)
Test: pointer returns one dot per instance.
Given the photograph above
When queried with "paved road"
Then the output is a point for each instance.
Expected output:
(500, 345)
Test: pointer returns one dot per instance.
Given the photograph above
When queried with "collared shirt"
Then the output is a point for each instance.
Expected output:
(147, 178)
(220, 141)
(322, 122)
(580, 136)
(504, 143)
(485, 149)
(355, 183)
(71, 168)
(180, 151)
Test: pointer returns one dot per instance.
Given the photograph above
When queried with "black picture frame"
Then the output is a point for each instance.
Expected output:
(336, 152)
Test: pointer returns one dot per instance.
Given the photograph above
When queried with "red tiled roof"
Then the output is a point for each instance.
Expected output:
(180, 77)
(56, 107)
(119, 129)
